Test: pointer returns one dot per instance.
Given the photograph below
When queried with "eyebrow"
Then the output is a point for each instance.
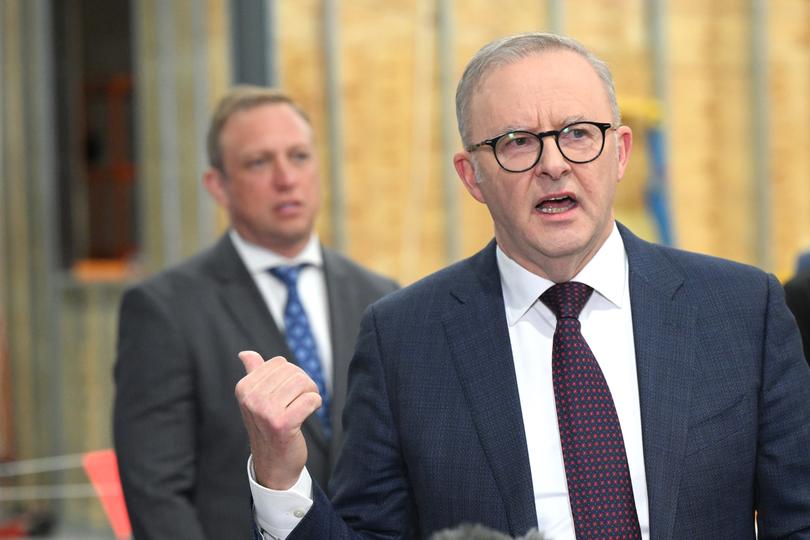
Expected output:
(572, 120)
(259, 153)
(508, 129)
(568, 120)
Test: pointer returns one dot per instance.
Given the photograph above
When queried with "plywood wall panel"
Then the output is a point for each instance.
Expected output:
(789, 70)
(709, 125)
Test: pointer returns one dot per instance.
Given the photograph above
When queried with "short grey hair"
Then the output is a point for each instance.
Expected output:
(510, 49)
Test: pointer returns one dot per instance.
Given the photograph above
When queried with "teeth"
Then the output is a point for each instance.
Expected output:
(554, 210)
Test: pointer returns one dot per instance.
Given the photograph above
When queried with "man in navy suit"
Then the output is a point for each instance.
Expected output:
(453, 413)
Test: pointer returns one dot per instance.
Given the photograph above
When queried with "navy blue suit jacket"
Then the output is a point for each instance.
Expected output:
(433, 426)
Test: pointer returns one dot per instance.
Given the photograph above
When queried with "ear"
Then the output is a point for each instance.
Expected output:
(465, 168)
(624, 142)
(214, 181)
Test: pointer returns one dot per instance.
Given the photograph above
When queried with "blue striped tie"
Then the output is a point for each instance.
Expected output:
(300, 338)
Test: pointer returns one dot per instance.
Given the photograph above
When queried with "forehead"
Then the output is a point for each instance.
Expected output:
(271, 122)
(541, 91)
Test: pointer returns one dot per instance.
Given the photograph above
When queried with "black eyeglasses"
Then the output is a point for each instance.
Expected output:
(519, 151)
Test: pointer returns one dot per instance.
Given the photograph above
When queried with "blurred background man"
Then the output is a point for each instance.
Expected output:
(178, 434)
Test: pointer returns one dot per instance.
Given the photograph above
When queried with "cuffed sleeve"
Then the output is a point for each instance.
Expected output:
(277, 513)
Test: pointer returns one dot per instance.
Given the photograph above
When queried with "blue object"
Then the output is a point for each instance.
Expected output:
(301, 340)
(656, 197)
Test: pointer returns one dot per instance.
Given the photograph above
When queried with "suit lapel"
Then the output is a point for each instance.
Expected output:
(342, 300)
(664, 330)
(242, 300)
(477, 332)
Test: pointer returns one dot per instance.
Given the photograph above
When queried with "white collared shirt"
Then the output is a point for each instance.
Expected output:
(311, 289)
(607, 326)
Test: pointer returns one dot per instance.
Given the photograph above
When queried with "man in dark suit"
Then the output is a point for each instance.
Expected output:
(797, 295)
(179, 437)
(570, 376)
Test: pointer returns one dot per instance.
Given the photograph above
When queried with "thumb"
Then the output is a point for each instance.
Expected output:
(251, 360)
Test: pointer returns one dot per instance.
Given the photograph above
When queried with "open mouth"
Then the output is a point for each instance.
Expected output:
(287, 206)
(556, 205)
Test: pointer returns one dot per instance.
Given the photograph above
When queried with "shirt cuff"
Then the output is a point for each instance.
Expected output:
(277, 513)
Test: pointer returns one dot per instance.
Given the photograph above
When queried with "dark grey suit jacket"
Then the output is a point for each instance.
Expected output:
(181, 445)
(434, 430)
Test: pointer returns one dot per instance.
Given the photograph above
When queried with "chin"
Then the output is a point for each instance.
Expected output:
(561, 244)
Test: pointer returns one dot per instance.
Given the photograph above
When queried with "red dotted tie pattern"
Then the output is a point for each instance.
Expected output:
(599, 487)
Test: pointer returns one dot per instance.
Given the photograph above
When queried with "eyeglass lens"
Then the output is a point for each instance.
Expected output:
(520, 150)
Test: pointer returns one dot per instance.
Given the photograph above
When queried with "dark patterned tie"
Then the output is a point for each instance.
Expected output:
(300, 338)
(599, 487)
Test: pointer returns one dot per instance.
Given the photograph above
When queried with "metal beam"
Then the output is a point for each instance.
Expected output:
(273, 55)
(253, 38)
(452, 214)
(170, 200)
(657, 37)
(206, 209)
(42, 197)
(334, 119)
(556, 16)
(760, 133)
(658, 144)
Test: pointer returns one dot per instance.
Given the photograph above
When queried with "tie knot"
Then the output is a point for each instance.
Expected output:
(567, 299)
(288, 274)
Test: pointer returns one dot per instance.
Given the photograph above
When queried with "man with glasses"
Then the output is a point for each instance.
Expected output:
(570, 376)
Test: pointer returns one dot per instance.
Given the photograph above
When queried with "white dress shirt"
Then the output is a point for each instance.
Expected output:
(607, 326)
(311, 289)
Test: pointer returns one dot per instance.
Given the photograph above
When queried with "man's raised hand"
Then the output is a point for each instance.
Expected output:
(275, 398)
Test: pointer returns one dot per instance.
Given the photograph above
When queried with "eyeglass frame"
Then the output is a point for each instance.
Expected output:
(603, 127)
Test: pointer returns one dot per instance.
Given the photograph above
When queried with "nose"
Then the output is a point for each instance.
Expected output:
(551, 163)
(283, 174)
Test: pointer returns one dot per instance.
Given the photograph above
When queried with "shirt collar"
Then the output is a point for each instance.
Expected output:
(258, 259)
(606, 273)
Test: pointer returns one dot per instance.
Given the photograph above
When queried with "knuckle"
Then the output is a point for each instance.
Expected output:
(240, 391)
(299, 377)
(278, 424)
(248, 402)
(313, 400)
